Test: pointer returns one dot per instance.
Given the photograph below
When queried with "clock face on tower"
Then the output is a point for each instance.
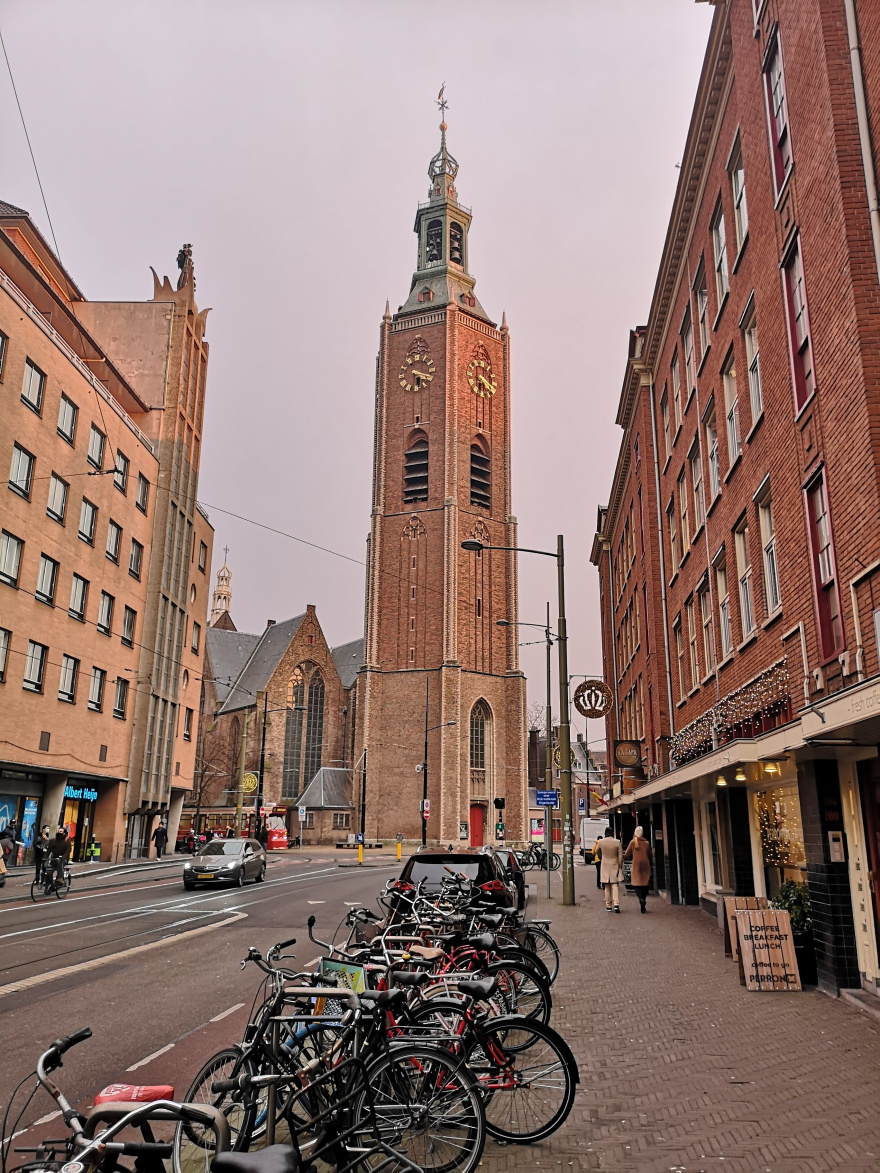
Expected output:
(417, 371)
(479, 375)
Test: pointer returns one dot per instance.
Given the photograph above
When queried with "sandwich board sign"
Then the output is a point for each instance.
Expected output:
(766, 950)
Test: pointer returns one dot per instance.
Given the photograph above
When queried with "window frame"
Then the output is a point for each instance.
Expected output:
(744, 577)
(142, 497)
(203, 557)
(106, 602)
(195, 637)
(681, 486)
(79, 615)
(680, 657)
(730, 385)
(710, 427)
(99, 461)
(121, 471)
(735, 169)
(780, 143)
(20, 454)
(5, 640)
(722, 590)
(70, 437)
(696, 465)
(54, 480)
(126, 637)
(688, 353)
(826, 592)
(802, 359)
(721, 261)
(664, 416)
(97, 685)
(701, 295)
(769, 556)
(752, 348)
(69, 667)
(41, 595)
(675, 375)
(671, 533)
(31, 368)
(693, 637)
(4, 347)
(707, 622)
(187, 724)
(9, 541)
(113, 527)
(30, 683)
(135, 570)
(120, 698)
(88, 538)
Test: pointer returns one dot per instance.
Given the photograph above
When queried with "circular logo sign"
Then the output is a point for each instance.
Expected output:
(627, 753)
(593, 698)
(250, 784)
(557, 758)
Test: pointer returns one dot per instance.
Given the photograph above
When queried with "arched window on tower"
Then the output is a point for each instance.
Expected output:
(314, 727)
(480, 755)
(415, 471)
(481, 486)
(456, 244)
(434, 242)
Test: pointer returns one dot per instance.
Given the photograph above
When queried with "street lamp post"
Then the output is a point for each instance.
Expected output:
(425, 764)
(548, 748)
(564, 725)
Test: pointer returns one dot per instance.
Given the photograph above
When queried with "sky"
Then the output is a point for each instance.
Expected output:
(289, 142)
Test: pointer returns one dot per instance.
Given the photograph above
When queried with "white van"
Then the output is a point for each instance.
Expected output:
(591, 830)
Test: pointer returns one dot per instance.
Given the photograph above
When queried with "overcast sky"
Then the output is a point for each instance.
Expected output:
(289, 143)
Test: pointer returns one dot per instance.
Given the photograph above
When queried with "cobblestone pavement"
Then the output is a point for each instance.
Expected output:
(682, 1070)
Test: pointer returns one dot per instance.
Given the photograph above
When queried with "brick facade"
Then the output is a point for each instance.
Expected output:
(749, 412)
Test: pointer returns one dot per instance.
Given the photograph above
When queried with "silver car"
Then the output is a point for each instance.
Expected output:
(226, 861)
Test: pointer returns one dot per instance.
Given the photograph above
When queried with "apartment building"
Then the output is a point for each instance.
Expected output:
(739, 548)
(83, 539)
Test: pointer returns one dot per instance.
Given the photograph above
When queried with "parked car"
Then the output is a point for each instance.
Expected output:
(481, 865)
(514, 873)
(226, 861)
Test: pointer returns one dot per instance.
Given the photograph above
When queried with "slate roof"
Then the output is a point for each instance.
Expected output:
(264, 659)
(228, 651)
(348, 658)
(11, 210)
(330, 789)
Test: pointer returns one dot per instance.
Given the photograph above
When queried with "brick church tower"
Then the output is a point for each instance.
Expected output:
(434, 656)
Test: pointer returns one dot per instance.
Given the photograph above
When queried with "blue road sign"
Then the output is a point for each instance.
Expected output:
(546, 797)
(582, 806)
(358, 838)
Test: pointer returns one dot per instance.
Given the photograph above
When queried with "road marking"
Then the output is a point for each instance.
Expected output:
(225, 1014)
(144, 1062)
(316, 902)
(41, 978)
(45, 1119)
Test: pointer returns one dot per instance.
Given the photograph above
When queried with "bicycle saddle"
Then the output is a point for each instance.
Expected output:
(277, 1158)
(492, 919)
(479, 989)
(403, 977)
(449, 938)
(483, 941)
(383, 998)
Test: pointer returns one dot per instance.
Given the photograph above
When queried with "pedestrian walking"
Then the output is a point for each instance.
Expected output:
(263, 836)
(230, 832)
(41, 846)
(160, 838)
(611, 869)
(639, 851)
(597, 860)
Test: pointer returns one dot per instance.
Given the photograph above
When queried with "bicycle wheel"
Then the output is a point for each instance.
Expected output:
(62, 885)
(555, 862)
(427, 1107)
(528, 1077)
(38, 889)
(522, 991)
(528, 958)
(193, 1141)
(539, 942)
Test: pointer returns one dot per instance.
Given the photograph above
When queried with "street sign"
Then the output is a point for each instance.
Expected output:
(426, 808)
(359, 838)
(302, 814)
(547, 797)
(499, 830)
(400, 836)
(582, 806)
(250, 783)
(464, 831)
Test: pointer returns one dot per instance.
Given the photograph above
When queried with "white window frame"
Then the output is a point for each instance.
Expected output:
(777, 114)
(33, 386)
(679, 653)
(34, 667)
(129, 623)
(114, 540)
(21, 471)
(57, 486)
(719, 249)
(708, 625)
(68, 679)
(738, 190)
(47, 579)
(97, 440)
(120, 700)
(196, 640)
(673, 539)
(693, 657)
(753, 364)
(88, 511)
(722, 589)
(675, 372)
(135, 559)
(11, 549)
(105, 613)
(772, 592)
(682, 492)
(688, 353)
(731, 409)
(664, 415)
(79, 586)
(96, 689)
(701, 293)
(744, 577)
(67, 417)
(711, 428)
(697, 486)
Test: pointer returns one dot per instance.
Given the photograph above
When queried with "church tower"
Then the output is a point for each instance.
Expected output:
(434, 655)
(221, 601)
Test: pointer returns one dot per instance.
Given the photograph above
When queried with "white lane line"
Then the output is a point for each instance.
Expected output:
(149, 1059)
(316, 902)
(40, 978)
(45, 1119)
(225, 1014)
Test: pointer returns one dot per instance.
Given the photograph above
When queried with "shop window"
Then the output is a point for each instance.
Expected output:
(778, 815)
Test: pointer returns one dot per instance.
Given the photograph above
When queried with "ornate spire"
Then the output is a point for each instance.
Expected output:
(443, 168)
(222, 598)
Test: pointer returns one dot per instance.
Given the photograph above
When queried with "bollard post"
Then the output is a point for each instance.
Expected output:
(398, 852)
(360, 853)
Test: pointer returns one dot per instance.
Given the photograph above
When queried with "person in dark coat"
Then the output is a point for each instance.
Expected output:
(57, 852)
(41, 846)
(639, 851)
(160, 838)
(7, 844)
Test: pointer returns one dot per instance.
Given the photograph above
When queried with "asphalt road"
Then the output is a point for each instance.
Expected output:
(153, 970)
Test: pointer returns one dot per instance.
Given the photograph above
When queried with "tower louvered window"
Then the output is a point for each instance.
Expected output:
(456, 244)
(415, 474)
(434, 242)
(480, 482)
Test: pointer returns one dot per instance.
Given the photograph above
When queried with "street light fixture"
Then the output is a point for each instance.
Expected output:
(475, 545)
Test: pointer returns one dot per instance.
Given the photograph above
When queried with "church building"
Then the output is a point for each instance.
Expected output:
(441, 692)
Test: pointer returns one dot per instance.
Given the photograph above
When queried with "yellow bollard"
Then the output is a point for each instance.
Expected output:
(398, 853)
(360, 853)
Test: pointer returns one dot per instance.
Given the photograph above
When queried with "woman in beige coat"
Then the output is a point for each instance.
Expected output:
(639, 851)
(610, 854)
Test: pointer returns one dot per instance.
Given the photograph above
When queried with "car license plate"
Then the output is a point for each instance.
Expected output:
(205, 876)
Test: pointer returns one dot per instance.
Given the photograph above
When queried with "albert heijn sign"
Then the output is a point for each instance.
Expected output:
(81, 792)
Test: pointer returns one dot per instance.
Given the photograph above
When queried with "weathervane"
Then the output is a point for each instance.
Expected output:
(442, 103)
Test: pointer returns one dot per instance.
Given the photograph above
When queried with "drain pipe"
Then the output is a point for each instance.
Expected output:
(864, 126)
(662, 555)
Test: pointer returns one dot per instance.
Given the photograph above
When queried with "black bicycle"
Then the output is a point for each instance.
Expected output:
(54, 880)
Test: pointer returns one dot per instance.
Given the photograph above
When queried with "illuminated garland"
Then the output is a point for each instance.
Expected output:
(765, 695)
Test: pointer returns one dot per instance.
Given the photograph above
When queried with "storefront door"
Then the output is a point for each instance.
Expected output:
(78, 818)
(870, 792)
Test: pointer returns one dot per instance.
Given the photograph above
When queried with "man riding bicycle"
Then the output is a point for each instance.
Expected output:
(56, 857)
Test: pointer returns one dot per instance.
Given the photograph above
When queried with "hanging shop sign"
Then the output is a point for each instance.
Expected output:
(628, 754)
(78, 792)
(766, 949)
(250, 783)
(557, 758)
(593, 698)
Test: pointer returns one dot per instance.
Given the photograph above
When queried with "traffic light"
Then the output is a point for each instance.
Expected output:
(499, 804)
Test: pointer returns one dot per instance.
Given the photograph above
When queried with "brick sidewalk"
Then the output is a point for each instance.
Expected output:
(682, 1070)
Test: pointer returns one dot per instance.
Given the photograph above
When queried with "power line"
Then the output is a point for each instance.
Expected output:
(281, 533)
(30, 148)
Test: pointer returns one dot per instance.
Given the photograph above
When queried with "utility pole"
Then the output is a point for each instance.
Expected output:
(242, 758)
(564, 736)
(548, 760)
(425, 769)
(363, 808)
